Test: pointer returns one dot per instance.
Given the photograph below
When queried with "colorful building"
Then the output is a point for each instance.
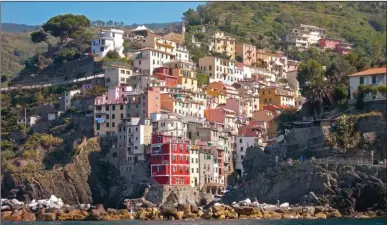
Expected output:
(170, 160)
(218, 69)
(223, 44)
(373, 77)
(247, 53)
(276, 95)
(165, 74)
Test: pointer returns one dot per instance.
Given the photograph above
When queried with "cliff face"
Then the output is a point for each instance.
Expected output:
(83, 180)
(346, 188)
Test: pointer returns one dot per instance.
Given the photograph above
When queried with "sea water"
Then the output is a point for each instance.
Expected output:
(381, 221)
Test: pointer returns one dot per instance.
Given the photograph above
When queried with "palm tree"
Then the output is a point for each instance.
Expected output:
(318, 90)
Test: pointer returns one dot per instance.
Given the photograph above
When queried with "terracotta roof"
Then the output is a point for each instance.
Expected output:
(372, 71)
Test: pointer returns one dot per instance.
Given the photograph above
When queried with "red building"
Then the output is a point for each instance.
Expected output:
(337, 45)
(165, 74)
(170, 163)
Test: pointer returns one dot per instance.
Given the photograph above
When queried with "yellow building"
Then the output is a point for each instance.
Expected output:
(159, 43)
(187, 78)
(276, 95)
(222, 43)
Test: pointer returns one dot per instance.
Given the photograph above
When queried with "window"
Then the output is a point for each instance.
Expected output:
(98, 126)
(107, 124)
(114, 154)
(113, 107)
(113, 124)
(174, 169)
(361, 80)
(123, 71)
(242, 156)
(113, 116)
(157, 169)
(181, 158)
(158, 138)
(107, 116)
(373, 79)
(241, 149)
(107, 107)
(192, 170)
(181, 169)
(174, 147)
(187, 158)
(240, 140)
(121, 107)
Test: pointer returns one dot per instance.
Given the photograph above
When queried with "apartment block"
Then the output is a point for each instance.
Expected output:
(117, 75)
(221, 43)
(304, 36)
(108, 40)
(247, 53)
(147, 59)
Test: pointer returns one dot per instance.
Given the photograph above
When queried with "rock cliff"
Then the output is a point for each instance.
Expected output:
(85, 179)
(347, 188)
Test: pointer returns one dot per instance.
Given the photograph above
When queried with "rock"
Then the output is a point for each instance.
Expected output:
(16, 215)
(308, 209)
(194, 208)
(319, 209)
(246, 210)
(287, 215)
(207, 215)
(320, 215)
(6, 215)
(186, 208)
(5, 208)
(125, 215)
(169, 211)
(221, 217)
(110, 217)
(200, 213)
(94, 215)
(142, 214)
(334, 213)
(275, 215)
(111, 211)
(243, 217)
(101, 209)
(230, 214)
(179, 215)
(190, 216)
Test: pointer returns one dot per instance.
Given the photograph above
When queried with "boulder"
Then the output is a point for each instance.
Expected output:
(186, 208)
(230, 214)
(142, 214)
(94, 214)
(110, 217)
(320, 215)
(169, 211)
(6, 215)
(111, 211)
(190, 216)
(16, 215)
(275, 215)
(179, 215)
(200, 213)
(194, 208)
(101, 209)
(221, 217)
(207, 215)
(246, 210)
(333, 213)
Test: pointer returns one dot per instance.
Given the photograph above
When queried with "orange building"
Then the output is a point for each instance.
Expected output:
(247, 52)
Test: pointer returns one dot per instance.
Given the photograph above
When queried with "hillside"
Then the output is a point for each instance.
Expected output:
(15, 49)
(265, 23)
(17, 28)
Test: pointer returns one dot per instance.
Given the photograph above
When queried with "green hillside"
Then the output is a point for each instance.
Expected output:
(265, 23)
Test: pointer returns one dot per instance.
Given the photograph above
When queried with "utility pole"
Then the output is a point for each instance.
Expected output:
(25, 120)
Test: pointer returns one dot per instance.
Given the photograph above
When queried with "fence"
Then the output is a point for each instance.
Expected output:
(344, 161)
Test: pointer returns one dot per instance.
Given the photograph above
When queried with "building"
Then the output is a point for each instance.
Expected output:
(274, 62)
(170, 160)
(218, 69)
(135, 137)
(120, 103)
(182, 53)
(223, 44)
(117, 75)
(165, 74)
(305, 36)
(338, 45)
(147, 59)
(67, 96)
(247, 53)
(206, 167)
(186, 78)
(31, 120)
(161, 44)
(108, 40)
(194, 165)
(222, 116)
(182, 106)
(216, 89)
(169, 124)
(242, 143)
(276, 95)
(373, 77)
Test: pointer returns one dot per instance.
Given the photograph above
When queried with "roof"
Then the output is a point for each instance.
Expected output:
(373, 71)
(141, 28)
(153, 50)
(178, 38)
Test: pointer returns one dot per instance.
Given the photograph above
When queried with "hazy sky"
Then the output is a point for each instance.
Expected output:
(36, 13)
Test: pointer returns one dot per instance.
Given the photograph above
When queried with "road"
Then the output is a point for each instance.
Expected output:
(53, 83)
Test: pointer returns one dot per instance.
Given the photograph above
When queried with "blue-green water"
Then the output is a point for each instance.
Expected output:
(219, 222)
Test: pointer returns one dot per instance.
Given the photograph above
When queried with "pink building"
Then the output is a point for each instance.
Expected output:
(232, 104)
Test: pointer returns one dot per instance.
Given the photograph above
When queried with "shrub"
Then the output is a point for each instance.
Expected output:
(112, 55)
(344, 134)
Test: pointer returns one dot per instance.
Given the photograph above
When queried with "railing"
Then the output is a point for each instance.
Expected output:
(344, 161)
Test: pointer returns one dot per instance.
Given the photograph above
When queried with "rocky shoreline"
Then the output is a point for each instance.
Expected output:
(15, 211)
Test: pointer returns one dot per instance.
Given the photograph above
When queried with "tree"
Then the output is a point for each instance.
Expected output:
(340, 93)
(39, 36)
(309, 70)
(65, 26)
(113, 55)
(317, 91)
(288, 115)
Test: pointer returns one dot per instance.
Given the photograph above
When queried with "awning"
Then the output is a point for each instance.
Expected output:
(99, 120)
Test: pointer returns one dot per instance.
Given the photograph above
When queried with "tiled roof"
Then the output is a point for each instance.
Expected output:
(373, 71)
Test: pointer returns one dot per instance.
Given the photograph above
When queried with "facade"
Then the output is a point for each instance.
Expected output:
(218, 69)
(135, 137)
(247, 53)
(67, 96)
(170, 160)
(206, 167)
(242, 143)
(108, 40)
(374, 77)
(117, 75)
(194, 166)
(147, 59)
(276, 95)
(338, 45)
(169, 124)
(305, 36)
(120, 103)
(159, 43)
(165, 74)
(218, 88)
(273, 62)
(184, 107)
(223, 44)
(182, 53)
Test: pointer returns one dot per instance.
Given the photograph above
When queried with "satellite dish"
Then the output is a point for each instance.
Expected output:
(280, 138)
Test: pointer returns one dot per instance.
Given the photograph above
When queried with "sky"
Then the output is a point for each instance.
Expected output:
(36, 13)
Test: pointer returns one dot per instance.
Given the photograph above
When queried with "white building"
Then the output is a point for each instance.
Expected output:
(194, 166)
(136, 136)
(305, 35)
(373, 77)
(242, 143)
(169, 124)
(31, 120)
(147, 59)
(108, 40)
(219, 69)
(182, 53)
(116, 75)
(68, 95)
